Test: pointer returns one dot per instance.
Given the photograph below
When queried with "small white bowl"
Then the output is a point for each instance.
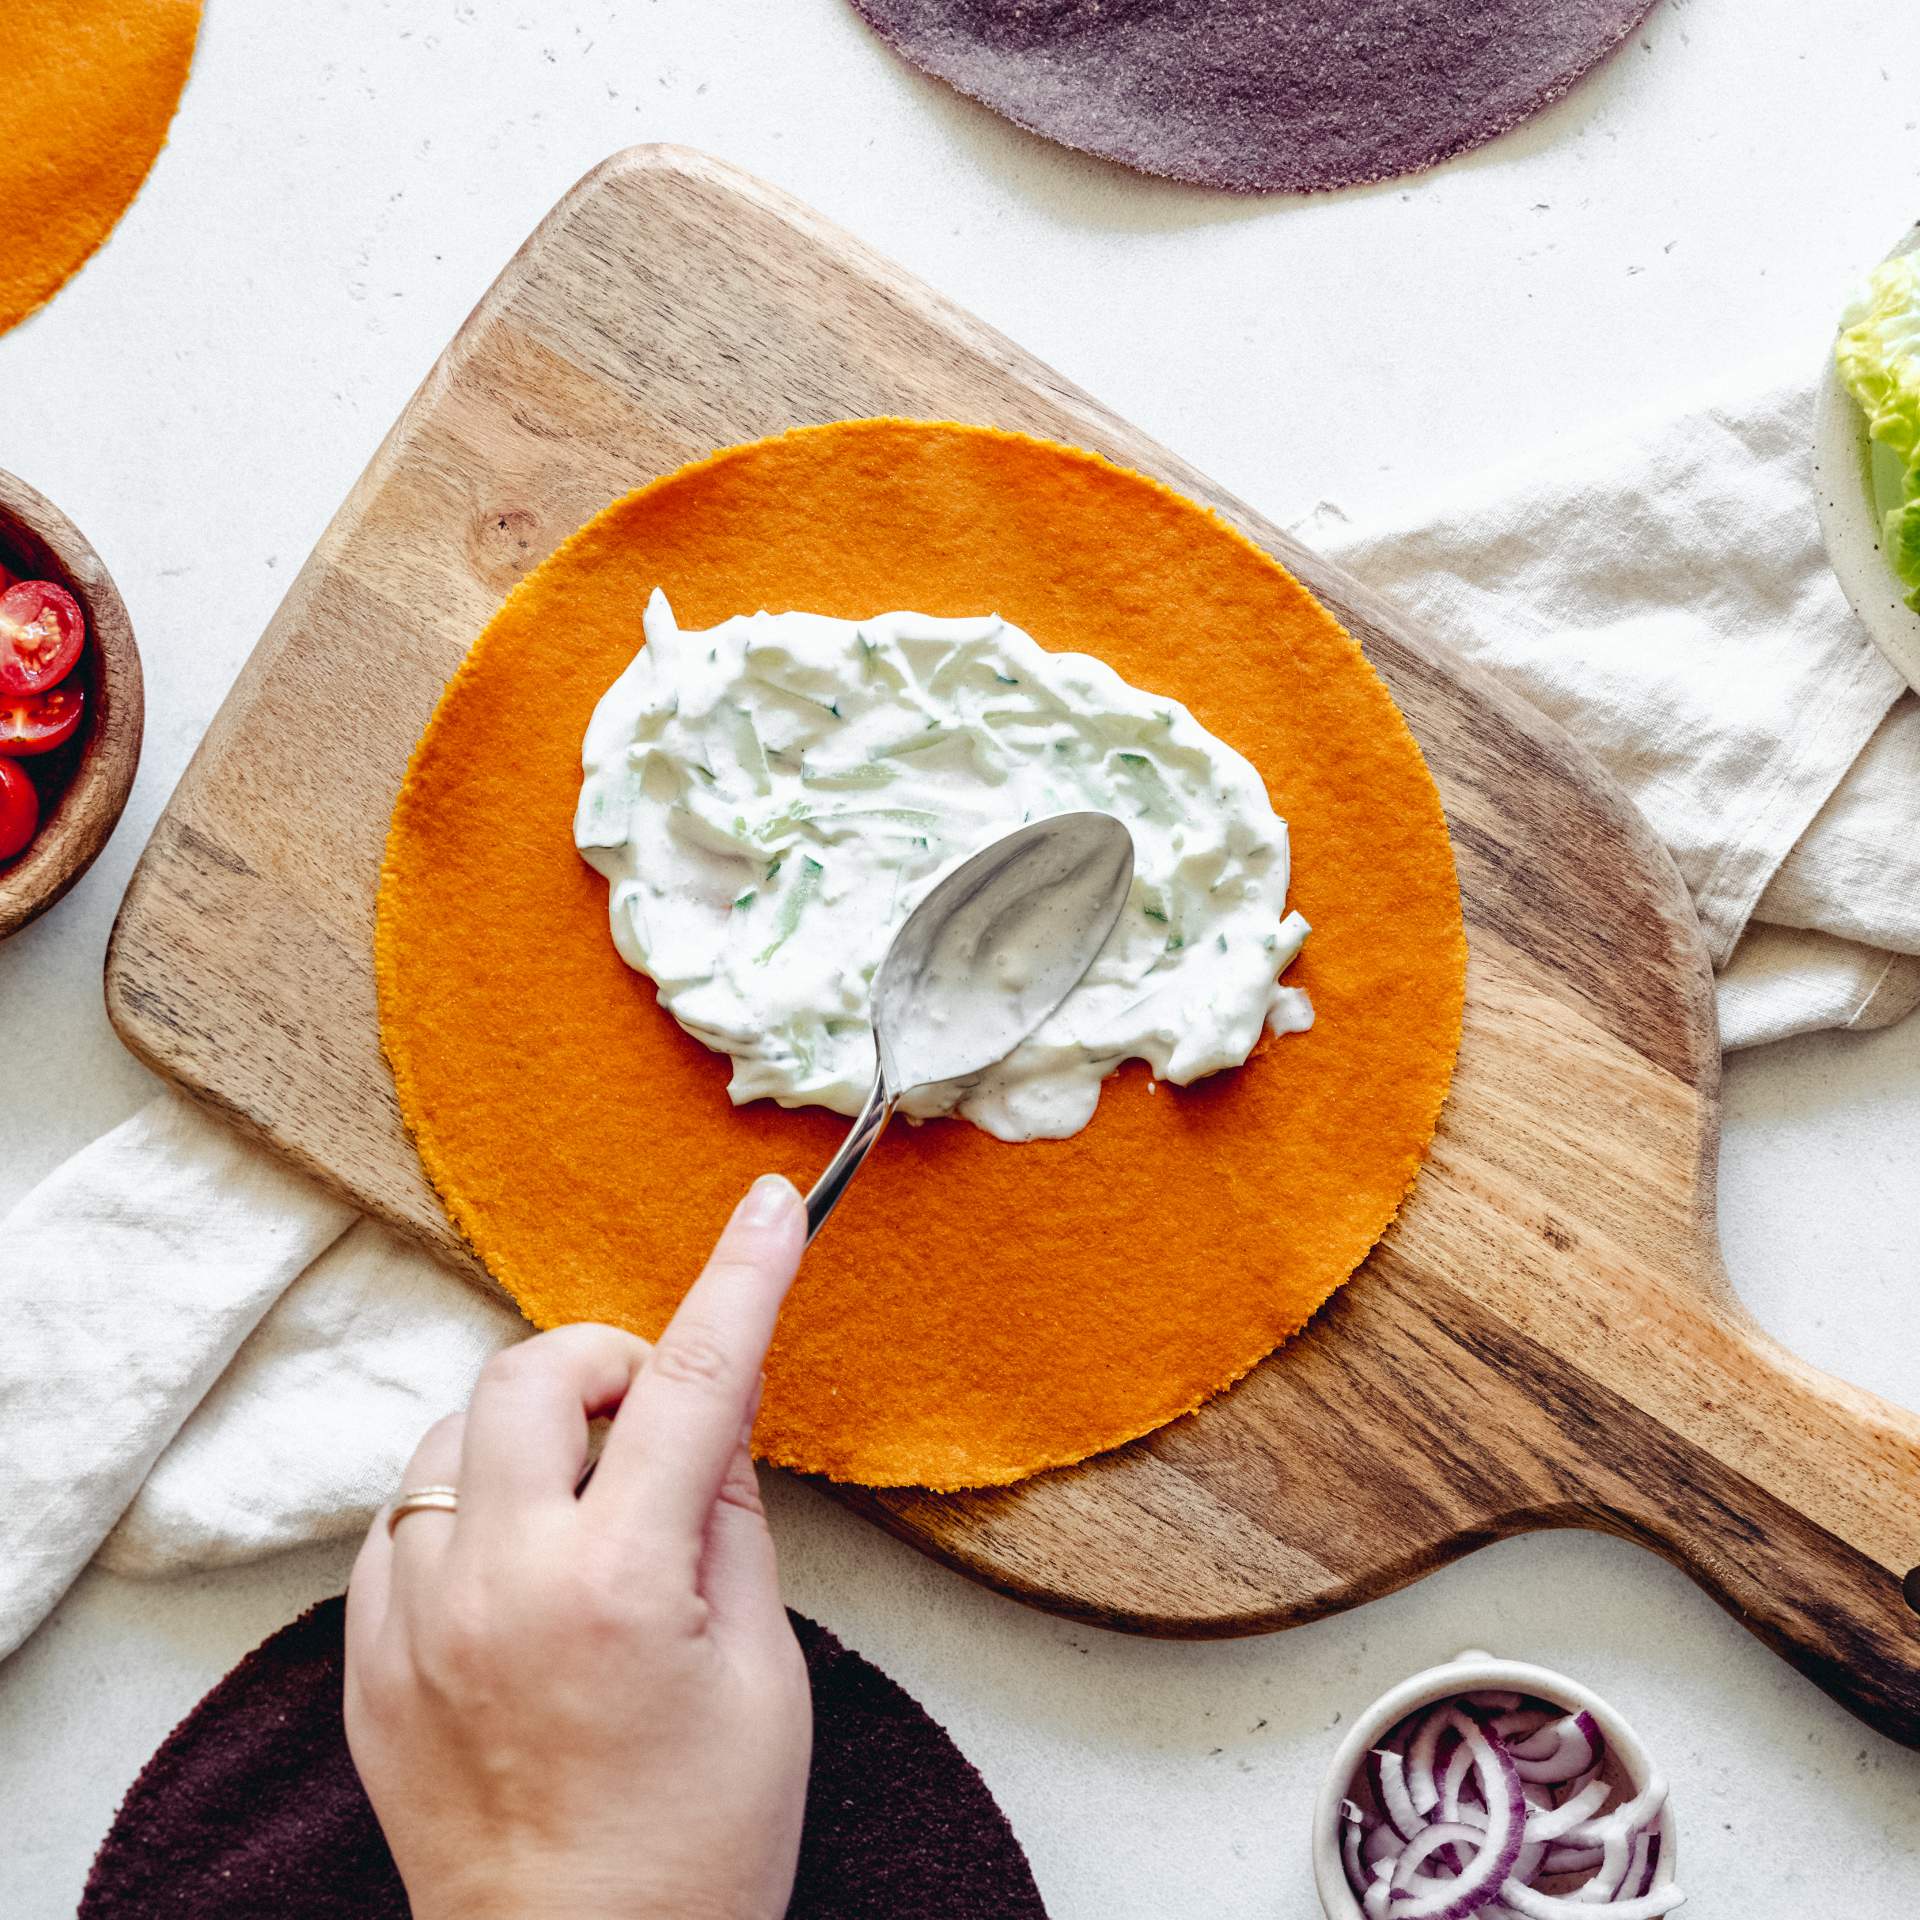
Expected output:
(1467, 1673)
(1849, 520)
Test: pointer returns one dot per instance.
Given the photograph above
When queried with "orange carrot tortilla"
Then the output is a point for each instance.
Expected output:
(92, 87)
(977, 1311)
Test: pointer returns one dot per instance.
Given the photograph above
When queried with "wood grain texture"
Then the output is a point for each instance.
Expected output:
(1544, 1338)
(39, 542)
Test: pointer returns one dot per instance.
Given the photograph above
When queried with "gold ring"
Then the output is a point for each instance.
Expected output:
(423, 1500)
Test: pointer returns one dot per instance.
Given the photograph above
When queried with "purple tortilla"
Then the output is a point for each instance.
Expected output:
(251, 1810)
(1261, 95)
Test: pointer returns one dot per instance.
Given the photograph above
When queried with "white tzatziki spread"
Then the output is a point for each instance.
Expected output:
(768, 800)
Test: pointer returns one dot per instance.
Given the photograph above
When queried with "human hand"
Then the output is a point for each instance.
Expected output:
(594, 1705)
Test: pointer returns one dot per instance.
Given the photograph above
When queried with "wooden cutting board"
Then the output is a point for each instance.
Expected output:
(1544, 1339)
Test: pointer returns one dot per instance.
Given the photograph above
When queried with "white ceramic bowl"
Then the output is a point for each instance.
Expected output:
(1467, 1673)
(1849, 521)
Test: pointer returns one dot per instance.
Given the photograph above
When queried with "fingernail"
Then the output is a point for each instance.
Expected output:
(768, 1200)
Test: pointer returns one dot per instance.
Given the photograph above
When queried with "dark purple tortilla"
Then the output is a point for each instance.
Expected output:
(1261, 95)
(251, 1810)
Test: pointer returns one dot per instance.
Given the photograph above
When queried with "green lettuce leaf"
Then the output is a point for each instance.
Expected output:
(1903, 545)
(1879, 359)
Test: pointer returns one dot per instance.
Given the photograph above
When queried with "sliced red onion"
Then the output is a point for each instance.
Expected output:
(1553, 1823)
(1580, 1782)
(1570, 1860)
(1442, 1834)
(1422, 1753)
(1609, 1879)
(1526, 1863)
(1473, 1801)
(1453, 1779)
(1540, 1741)
(1493, 1700)
(1639, 1880)
(1417, 1896)
(1637, 1812)
(1575, 1906)
(1374, 1906)
(1543, 1823)
(1520, 1723)
(1615, 1834)
(1389, 1774)
(1384, 1844)
(1489, 1854)
(1352, 1833)
(1558, 1751)
(1653, 1861)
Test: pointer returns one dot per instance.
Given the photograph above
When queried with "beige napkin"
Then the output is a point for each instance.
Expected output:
(1662, 591)
(209, 1358)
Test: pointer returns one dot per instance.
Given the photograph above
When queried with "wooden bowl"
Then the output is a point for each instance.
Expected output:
(39, 542)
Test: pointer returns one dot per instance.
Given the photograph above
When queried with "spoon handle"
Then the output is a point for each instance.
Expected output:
(861, 1136)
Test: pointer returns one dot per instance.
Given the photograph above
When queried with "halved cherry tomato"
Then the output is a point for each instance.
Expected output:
(38, 722)
(41, 633)
(19, 810)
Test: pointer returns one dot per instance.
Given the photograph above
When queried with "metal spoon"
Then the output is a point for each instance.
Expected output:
(980, 963)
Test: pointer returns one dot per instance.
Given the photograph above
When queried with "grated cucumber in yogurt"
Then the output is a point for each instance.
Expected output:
(769, 798)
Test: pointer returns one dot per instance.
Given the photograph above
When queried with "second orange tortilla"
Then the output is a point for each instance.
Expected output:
(977, 1311)
(92, 87)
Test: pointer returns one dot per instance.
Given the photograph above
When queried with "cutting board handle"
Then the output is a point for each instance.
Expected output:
(1795, 1503)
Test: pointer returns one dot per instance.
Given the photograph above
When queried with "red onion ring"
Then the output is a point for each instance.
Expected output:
(1489, 1852)
(1413, 1895)
(1389, 1773)
(1571, 1860)
(1520, 1723)
(1422, 1753)
(1558, 1751)
(1553, 1823)
(1653, 1860)
(1639, 1880)
(1352, 1837)
(1543, 1738)
(1549, 1822)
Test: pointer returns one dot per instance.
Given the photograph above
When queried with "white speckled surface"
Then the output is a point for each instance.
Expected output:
(344, 181)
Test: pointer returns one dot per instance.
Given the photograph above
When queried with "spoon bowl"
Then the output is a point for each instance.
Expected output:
(982, 961)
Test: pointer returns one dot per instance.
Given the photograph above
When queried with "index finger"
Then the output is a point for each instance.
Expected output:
(679, 1427)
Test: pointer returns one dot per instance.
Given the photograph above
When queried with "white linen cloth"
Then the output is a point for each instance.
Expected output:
(207, 1357)
(1662, 591)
